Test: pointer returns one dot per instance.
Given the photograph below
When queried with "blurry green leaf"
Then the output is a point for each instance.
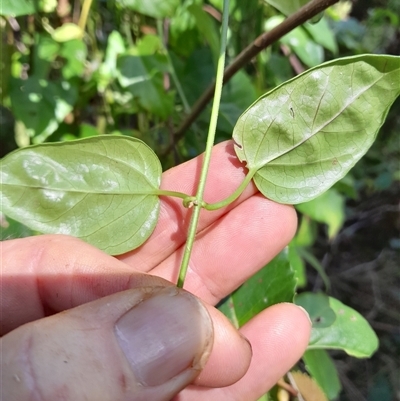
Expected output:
(321, 367)
(74, 53)
(207, 28)
(273, 284)
(152, 8)
(298, 40)
(306, 233)
(98, 189)
(142, 76)
(349, 32)
(347, 186)
(5, 66)
(315, 263)
(41, 105)
(287, 7)
(196, 74)
(327, 208)
(44, 53)
(108, 69)
(277, 68)
(303, 136)
(298, 266)
(68, 31)
(184, 36)
(237, 95)
(149, 45)
(350, 332)
(11, 229)
(317, 306)
(47, 6)
(15, 8)
(323, 34)
(87, 130)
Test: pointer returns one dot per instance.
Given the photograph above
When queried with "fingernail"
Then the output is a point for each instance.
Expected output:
(164, 335)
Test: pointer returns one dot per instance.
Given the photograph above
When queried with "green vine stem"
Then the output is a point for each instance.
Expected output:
(198, 202)
(84, 14)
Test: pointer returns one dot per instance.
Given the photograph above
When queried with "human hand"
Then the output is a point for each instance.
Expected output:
(100, 346)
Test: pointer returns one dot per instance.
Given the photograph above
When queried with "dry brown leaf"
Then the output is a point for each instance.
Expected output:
(308, 387)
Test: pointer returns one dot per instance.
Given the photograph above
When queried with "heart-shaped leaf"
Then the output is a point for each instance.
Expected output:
(306, 134)
(100, 189)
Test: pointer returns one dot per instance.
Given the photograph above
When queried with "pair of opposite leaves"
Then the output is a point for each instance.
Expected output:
(297, 141)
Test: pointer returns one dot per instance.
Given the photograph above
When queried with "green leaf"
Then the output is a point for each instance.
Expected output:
(66, 32)
(317, 306)
(5, 67)
(300, 42)
(237, 94)
(11, 229)
(327, 208)
(74, 53)
(41, 105)
(152, 8)
(323, 34)
(206, 26)
(287, 7)
(298, 265)
(321, 367)
(306, 134)
(44, 54)
(99, 189)
(15, 8)
(306, 233)
(273, 284)
(350, 332)
(142, 75)
(315, 263)
(108, 69)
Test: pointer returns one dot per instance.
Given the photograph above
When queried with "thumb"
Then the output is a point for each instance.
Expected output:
(141, 344)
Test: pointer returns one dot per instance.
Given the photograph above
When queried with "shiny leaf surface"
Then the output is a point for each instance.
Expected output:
(306, 134)
(98, 189)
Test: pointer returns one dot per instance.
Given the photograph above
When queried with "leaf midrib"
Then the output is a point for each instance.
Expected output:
(122, 193)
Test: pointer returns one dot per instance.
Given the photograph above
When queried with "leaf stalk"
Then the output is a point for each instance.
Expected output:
(231, 198)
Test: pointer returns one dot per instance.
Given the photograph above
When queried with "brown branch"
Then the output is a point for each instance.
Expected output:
(305, 13)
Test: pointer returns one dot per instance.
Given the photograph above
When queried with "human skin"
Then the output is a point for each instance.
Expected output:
(45, 275)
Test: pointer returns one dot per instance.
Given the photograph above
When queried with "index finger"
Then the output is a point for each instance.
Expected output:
(225, 175)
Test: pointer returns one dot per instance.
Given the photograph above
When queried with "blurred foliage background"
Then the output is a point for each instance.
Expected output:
(138, 69)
